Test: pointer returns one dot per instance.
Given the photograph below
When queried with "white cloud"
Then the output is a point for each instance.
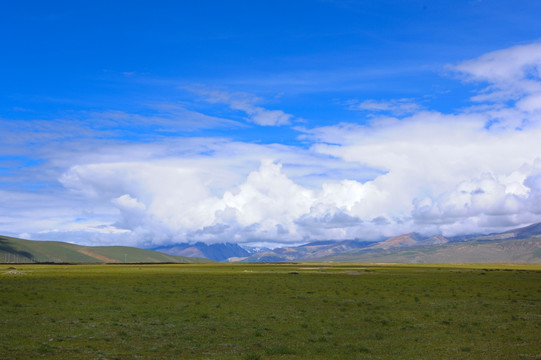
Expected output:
(247, 104)
(478, 170)
(217, 195)
(431, 162)
(397, 107)
(511, 73)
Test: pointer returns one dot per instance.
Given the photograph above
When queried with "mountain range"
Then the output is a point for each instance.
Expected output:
(216, 252)
(516, 245)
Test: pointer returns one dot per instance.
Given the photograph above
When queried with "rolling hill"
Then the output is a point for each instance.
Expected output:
(13, 250)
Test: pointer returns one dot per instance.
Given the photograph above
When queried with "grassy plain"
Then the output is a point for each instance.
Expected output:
(270, 311)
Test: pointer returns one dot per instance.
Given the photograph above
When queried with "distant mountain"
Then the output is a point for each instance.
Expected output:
(217, 252)
(516, 245)
(496, 251)
(13, 250)
(308, 251)
(414, 247)
(411, 239)
(519, 233)
(399, 241)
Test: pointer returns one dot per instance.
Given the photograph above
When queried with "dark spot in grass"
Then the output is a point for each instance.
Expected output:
(363, 349)
(279, 350)
(45, 348)
(252, 356)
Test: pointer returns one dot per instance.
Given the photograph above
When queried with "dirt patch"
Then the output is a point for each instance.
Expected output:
(98, 256)
(14, 272)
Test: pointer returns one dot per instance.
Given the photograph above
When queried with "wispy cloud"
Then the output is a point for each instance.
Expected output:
(248, 104)
(511, 73)
(397, 107)
(166, 117)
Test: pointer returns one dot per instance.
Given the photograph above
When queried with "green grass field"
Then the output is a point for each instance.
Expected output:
(270, 311)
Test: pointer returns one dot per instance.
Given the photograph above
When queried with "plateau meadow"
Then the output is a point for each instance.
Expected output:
(270, 311)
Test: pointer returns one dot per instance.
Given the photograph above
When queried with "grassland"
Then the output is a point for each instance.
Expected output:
(270, 311)
(13, 250)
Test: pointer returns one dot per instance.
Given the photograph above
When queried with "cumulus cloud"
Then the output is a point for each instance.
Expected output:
(221, 192)
(477, 170)
(167, 203)
(431, 159)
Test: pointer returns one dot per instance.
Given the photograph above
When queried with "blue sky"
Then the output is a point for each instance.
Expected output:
(268, 122)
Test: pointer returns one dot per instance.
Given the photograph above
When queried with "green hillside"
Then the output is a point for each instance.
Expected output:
(13, 250)
(477, 251)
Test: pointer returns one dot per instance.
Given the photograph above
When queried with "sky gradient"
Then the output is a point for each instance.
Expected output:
(269, 122)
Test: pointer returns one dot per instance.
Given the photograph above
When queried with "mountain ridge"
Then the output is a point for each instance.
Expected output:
(216, 252)
(15, 250)
(519, 244)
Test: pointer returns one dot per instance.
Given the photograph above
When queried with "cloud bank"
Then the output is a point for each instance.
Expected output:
(475, 170)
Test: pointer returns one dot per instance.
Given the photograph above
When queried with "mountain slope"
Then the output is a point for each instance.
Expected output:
(519, 233)
(217, 252)
(516, 245)
(13, 250)
(308, 251)
(476, 251)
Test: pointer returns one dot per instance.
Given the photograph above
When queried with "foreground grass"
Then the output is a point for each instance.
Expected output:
(259, 311)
